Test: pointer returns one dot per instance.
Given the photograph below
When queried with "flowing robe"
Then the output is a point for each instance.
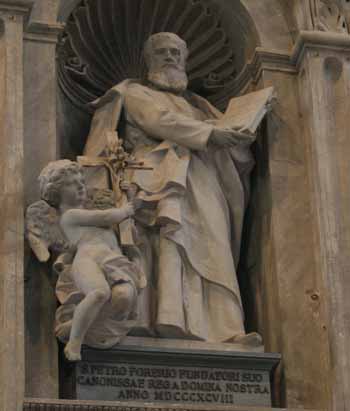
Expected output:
(193, 207)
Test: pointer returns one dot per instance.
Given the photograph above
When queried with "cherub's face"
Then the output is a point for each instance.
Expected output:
(73, 192)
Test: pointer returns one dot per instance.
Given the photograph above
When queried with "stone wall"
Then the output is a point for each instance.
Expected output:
(297, 247)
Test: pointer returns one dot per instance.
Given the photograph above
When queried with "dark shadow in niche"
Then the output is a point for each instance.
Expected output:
(2, 28)
(257, 215)
(256, 271)
(256, 267)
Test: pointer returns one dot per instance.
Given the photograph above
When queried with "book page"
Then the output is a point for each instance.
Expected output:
(245, 113)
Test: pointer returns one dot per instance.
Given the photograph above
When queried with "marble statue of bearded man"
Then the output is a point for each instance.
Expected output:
(194, 199)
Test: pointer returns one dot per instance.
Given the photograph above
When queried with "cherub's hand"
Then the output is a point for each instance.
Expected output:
(137, 203)
(129, 188)
(124, 185)
(129, 209)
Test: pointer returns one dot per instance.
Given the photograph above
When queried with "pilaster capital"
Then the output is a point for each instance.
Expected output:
(43, 32)
(9, 9)
(319, 40)
(23, 7)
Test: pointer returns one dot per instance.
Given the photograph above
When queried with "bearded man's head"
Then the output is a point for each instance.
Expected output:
(166, 55)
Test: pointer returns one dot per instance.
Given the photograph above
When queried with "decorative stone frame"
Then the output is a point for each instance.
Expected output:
(290, 182)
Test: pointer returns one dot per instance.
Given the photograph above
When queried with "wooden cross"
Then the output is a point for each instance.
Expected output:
(116, 161)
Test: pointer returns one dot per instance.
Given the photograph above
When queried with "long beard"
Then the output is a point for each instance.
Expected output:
(169, 79)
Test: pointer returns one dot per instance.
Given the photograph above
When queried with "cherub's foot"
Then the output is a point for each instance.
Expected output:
(72, 351)
(62, 331)
(251, 339)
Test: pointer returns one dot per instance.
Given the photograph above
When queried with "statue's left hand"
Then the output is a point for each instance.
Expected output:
(243, 138)
(226, 138)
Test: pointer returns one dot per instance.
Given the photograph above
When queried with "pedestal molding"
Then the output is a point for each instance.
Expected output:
(31, 404)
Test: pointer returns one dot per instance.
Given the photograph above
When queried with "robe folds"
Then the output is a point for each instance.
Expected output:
(193, 200)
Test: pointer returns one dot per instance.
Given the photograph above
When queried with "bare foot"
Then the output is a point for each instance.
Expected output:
(72, 351)
(251, 339)
(62, 331)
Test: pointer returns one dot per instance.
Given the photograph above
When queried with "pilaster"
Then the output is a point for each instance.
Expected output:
(40, 147)
(280, 262)
(13, 13)
(324, 83)
(299, 239)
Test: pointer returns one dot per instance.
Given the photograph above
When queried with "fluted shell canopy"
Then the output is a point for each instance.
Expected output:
(103, 45)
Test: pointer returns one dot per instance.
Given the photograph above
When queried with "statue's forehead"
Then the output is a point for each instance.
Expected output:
(166, 43)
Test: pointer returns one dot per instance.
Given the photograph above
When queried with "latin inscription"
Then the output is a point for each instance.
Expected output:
(127, 382)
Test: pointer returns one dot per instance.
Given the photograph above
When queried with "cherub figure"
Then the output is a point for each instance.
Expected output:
(102, 275)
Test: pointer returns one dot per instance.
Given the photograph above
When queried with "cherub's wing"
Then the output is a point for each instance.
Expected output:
(43, 231)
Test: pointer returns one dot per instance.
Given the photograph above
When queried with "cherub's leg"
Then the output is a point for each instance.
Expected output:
(123, 299)
(62, 330)
(91, 281)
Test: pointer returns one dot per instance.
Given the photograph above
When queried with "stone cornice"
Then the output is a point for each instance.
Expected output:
(16, 6)
(318, 40)
(282, 61)
(43, 32)
(270, 60)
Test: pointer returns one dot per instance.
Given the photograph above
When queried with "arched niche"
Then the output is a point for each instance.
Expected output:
(103, 41)
(273, 19)
(272, 22)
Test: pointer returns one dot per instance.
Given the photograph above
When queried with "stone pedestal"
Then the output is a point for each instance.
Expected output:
(148, 372)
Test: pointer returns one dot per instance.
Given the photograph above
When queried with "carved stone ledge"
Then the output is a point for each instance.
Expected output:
(16, 6)
(70, 405)
(318, 40)
(272, 60)
(43, 32)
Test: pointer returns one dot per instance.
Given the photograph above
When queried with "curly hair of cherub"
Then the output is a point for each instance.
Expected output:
(53, 177)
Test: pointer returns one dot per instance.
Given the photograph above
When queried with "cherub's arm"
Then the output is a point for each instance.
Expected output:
(97, 218)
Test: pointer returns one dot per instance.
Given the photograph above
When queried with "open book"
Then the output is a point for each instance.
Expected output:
(245, 113)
